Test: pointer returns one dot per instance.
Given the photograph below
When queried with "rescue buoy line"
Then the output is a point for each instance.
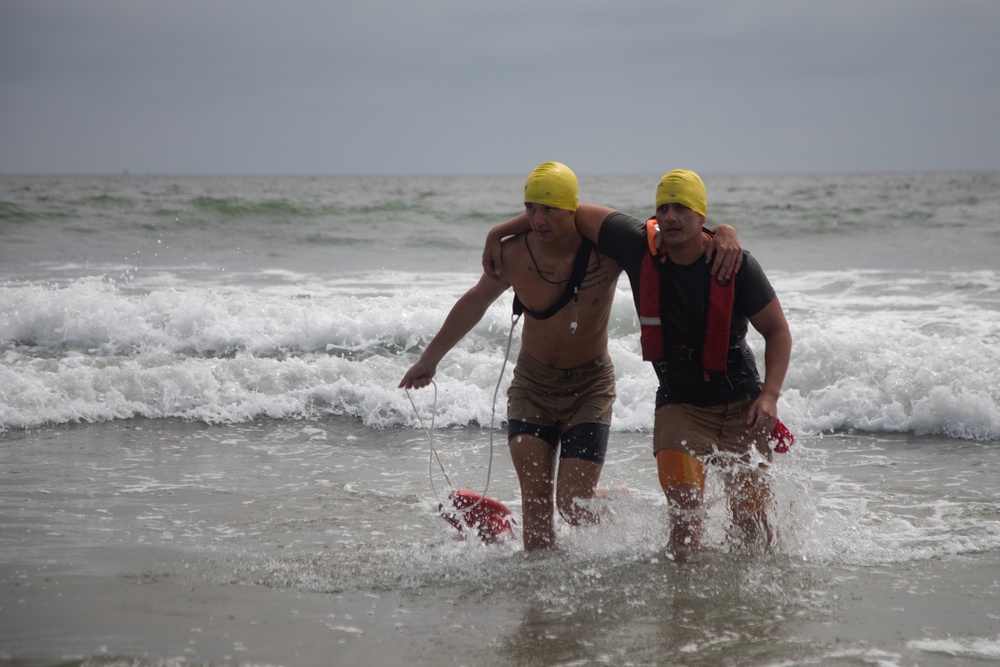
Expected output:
(430, 437)
(489, 517)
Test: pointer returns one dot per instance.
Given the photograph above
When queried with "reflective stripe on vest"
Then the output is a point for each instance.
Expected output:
(715, 347)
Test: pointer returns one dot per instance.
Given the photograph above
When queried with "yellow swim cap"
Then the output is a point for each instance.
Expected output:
(552, 184)
(682, 186)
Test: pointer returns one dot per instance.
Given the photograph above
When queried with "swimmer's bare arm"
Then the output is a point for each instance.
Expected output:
(725, 253)
(770, 322)
(464, 315)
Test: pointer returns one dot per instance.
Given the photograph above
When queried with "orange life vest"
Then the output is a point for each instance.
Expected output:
(715, 347)
(722, 294)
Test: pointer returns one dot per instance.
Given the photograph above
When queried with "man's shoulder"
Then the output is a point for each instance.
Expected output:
(519, 237)
(750, 267)
(619, 219)
(512, 250)
(752, 283)
(513, 244)
(623, 238)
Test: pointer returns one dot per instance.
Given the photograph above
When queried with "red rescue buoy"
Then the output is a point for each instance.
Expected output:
(781, 438)
(490, 518)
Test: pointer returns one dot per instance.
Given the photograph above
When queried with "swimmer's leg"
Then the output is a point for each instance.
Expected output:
(535, 462)
(581, 460)
(749, 492)
(577, 481)
(682, 478)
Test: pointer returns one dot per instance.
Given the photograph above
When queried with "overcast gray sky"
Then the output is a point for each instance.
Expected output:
(470, 86)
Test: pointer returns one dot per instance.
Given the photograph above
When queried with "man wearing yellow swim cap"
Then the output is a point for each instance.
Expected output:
(566, 289)
(711, 407)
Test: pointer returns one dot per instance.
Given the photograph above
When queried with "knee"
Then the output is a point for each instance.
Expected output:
(682, 477)
(749, 494)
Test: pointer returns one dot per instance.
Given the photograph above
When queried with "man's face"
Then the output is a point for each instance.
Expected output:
(548, 222)
(678, 223)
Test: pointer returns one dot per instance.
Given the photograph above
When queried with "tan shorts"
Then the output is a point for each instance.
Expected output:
(706, 431)
(547, 396)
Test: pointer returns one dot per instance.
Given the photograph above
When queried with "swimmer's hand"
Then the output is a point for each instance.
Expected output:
(492, 264)
(725, 254)
(420, 375)
(492, 253)
(763, 414)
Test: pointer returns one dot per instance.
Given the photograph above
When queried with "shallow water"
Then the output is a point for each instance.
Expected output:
(888, 553)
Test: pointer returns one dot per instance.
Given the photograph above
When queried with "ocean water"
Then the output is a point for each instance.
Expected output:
(198, 390)
(229, 299)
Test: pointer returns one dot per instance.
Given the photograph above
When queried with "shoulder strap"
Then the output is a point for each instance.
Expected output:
(721, 296)
(654, 240)
(575, 280)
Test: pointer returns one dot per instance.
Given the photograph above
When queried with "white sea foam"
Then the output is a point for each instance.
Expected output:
(973, 648)
(225, 299)
(868, 354)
